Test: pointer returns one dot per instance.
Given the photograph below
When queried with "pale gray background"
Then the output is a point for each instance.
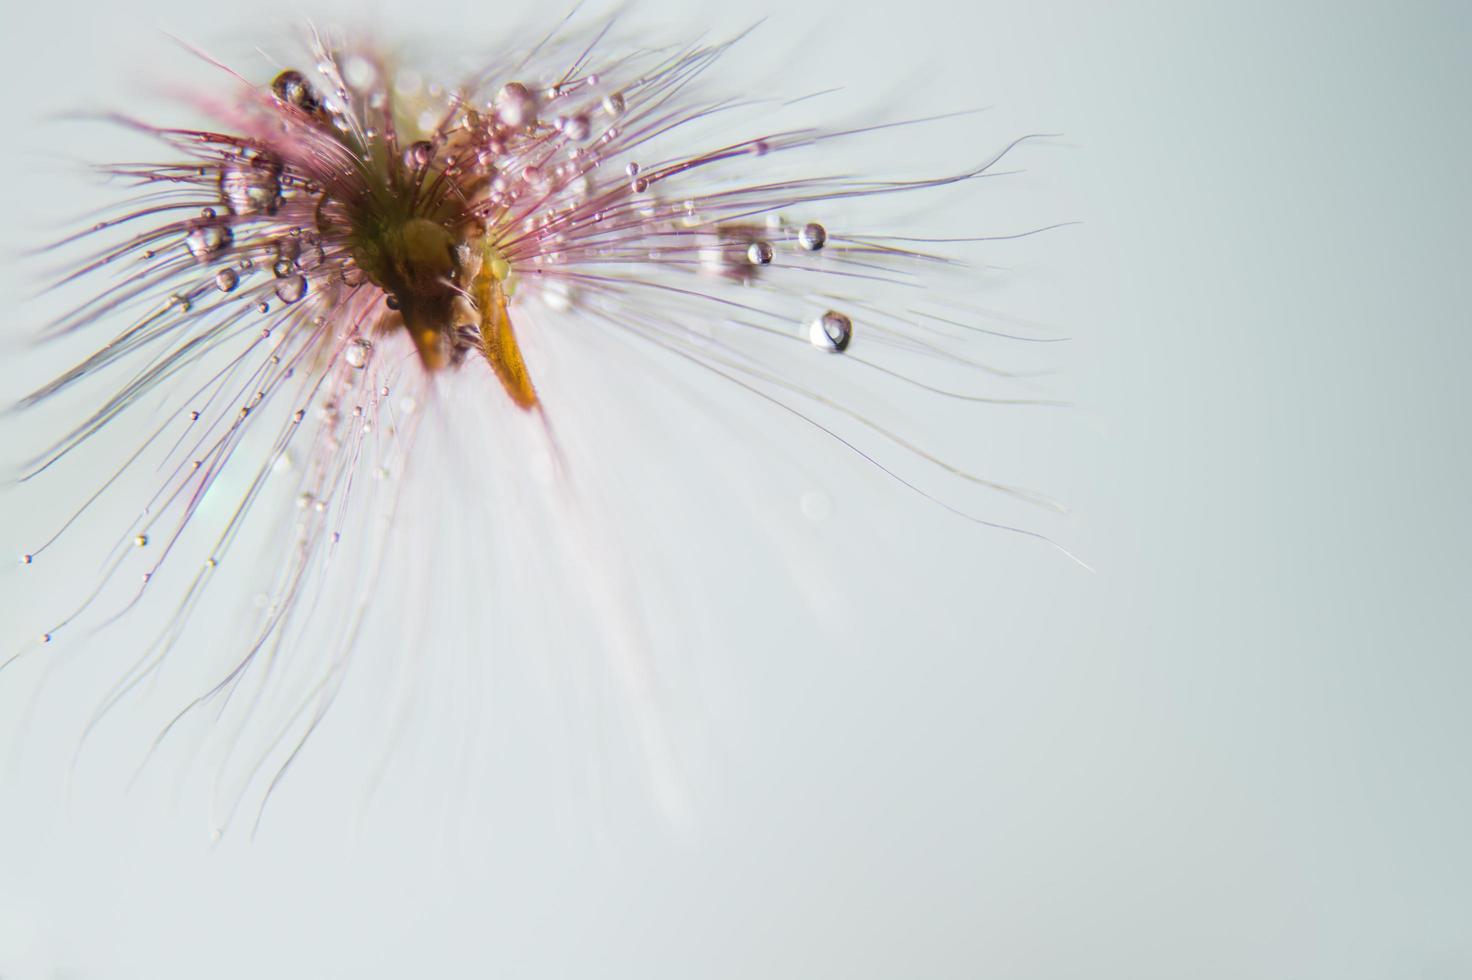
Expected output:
(1239, 748)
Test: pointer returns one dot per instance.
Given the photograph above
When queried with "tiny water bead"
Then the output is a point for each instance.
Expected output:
(759, 253)
(831, 332)
(226, 280)
(813, 236)
(358, 353)
(140, 541)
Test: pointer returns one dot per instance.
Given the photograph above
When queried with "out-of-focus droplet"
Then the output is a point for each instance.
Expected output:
(613, 103)
(418, 155)
(831, 332)
(515, 106)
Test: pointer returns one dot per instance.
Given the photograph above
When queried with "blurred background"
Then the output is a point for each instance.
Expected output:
(1238, 747)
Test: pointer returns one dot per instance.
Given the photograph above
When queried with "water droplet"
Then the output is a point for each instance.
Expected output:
(283, 268)
(181, 302)
(515, 106)
(640, 185)
(27, 559)
(252, 186)
(226, 280)
(418, 155)
(358, 352)
(831, 332)
(292, 288)
(813, 236)
(576, 127)
(613, 103)
(292, 87)
(209, 240)
(759, 253)
(632, 169)
(140, 541)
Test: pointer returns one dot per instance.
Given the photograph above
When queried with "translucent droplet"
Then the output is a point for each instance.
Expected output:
(292, 288)
(252, 186)
(515, 106)
(640, 185)
(613, 103)
(831, 332)
(207, 241)
(759, 253)
(140, 541)
(576, 127)
(27, 559)
(226, 280)
(283, 268)
(358, 352)
(813, 236)
(292, 87)
(632, 169)
(418, 155)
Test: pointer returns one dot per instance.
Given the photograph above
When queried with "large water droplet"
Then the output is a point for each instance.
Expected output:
(206, 241)
(515, 106)
(292, 288)
(418, 155)
(831, 332)
(358, 353)
(292, 87)
(813, 236)
(252, 186)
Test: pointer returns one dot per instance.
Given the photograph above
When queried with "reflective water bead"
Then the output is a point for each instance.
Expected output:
(813, 236)
(759, 253)
(291, 288)
(206, 241)
(831, 332)
(358, 352)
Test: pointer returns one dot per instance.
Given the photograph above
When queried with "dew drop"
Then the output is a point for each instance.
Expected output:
(515, 106)
(831, 332)
(640, 185)
(576, 127)
(813, 236)
(291, 289)
(759, 253)
(140, 541)
(292, 87)
(252, 186)
(358, 353)
(418, 155)
(632, 169)
(283, 268)
(613, 103)
(226, 280)
(206, 241)
(27, 559)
